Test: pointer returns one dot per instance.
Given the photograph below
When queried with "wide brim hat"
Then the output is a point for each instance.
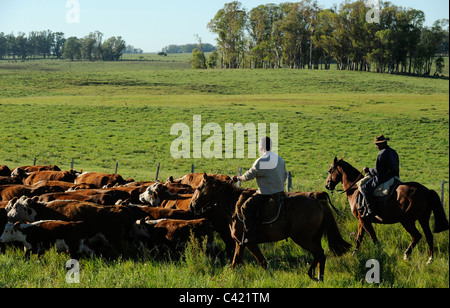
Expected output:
(381, 139)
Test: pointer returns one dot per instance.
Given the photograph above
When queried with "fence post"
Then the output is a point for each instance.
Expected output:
(442, 191)
(117, 167)
(71, 164)
(192, 168)
(289, 182)
(34, 162)
(240, 173)
(157, 172)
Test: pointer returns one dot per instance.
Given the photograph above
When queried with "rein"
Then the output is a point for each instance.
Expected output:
(360, 176)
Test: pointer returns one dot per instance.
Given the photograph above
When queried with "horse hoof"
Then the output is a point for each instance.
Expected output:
(430, 260)
(406, 257)
(354, 252)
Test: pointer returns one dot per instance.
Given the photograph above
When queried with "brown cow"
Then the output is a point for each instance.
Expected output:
(178, 188)
(5, 180)
(65, 176)
(101, 199)
(75, 238)
(100, 180)
(174, 234)
(114, 222)
(182, 202)
(140, 211)
(195, 179)
(155, 194)
(158, 195)
(5, 171)
(113, 195)
(36, 168)
(66, 186)
(8, 192)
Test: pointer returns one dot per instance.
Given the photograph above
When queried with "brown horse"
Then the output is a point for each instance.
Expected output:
(302, 219)
(409, 203)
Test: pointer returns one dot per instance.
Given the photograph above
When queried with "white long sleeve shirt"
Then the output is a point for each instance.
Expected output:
(270, 173)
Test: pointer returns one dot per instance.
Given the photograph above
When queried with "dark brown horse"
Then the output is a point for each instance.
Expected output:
(303, 219)
(409, 203)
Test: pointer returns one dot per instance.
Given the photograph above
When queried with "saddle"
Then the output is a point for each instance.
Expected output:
(269, 212)
(272, 209)
(382, 193)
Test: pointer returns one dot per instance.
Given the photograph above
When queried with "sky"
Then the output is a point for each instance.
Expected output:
(146, 24)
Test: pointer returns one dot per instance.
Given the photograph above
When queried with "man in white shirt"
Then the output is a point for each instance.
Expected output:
(270, 173)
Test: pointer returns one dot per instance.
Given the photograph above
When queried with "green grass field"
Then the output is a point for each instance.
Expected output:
(101, 113)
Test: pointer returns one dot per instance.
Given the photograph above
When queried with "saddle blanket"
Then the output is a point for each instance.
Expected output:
(382, 190)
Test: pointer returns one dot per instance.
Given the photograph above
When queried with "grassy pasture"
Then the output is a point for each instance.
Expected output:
(99, 113)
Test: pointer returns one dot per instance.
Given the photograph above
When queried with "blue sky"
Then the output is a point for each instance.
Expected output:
(149, 25)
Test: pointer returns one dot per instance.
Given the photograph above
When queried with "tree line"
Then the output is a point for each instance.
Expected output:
(187, 48)
(45, 44)
(302, 35)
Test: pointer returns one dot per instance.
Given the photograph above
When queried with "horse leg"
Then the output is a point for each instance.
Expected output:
(318, 254)
(369, 228)
(425, 223)
(238, 254)
(256, 252)
(359, 237)
(415, 234)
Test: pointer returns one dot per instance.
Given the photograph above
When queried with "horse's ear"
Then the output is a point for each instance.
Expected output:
(342, 158)
(205, 176)
(335, 160)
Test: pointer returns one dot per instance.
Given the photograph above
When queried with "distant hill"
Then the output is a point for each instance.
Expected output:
(187, 48)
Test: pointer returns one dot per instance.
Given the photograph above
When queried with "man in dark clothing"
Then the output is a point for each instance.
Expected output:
(387, 167)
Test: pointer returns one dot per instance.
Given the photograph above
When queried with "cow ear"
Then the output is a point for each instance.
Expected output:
(13, 201)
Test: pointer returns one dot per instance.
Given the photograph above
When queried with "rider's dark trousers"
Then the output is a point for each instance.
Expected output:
(367, 190)
(250, 211)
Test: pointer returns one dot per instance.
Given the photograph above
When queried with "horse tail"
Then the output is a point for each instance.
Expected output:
(334, 208)
(440, 220)
(336, 243)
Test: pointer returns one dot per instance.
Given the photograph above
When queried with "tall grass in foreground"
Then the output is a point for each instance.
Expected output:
(196, 269)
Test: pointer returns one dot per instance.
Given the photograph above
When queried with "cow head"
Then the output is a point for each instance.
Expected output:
(113, 180)
(21, 210)
(153, 194)
(140, 230)
(13, 233)
(19, 172)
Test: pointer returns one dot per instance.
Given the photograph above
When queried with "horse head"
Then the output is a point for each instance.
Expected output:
(207, 194)
(334, 175)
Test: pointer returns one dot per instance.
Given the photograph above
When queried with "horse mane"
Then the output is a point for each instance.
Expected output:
(352, 172)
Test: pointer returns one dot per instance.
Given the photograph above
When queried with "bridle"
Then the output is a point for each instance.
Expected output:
(360, 176)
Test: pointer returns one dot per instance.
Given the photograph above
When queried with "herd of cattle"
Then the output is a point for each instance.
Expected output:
(86, 214)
